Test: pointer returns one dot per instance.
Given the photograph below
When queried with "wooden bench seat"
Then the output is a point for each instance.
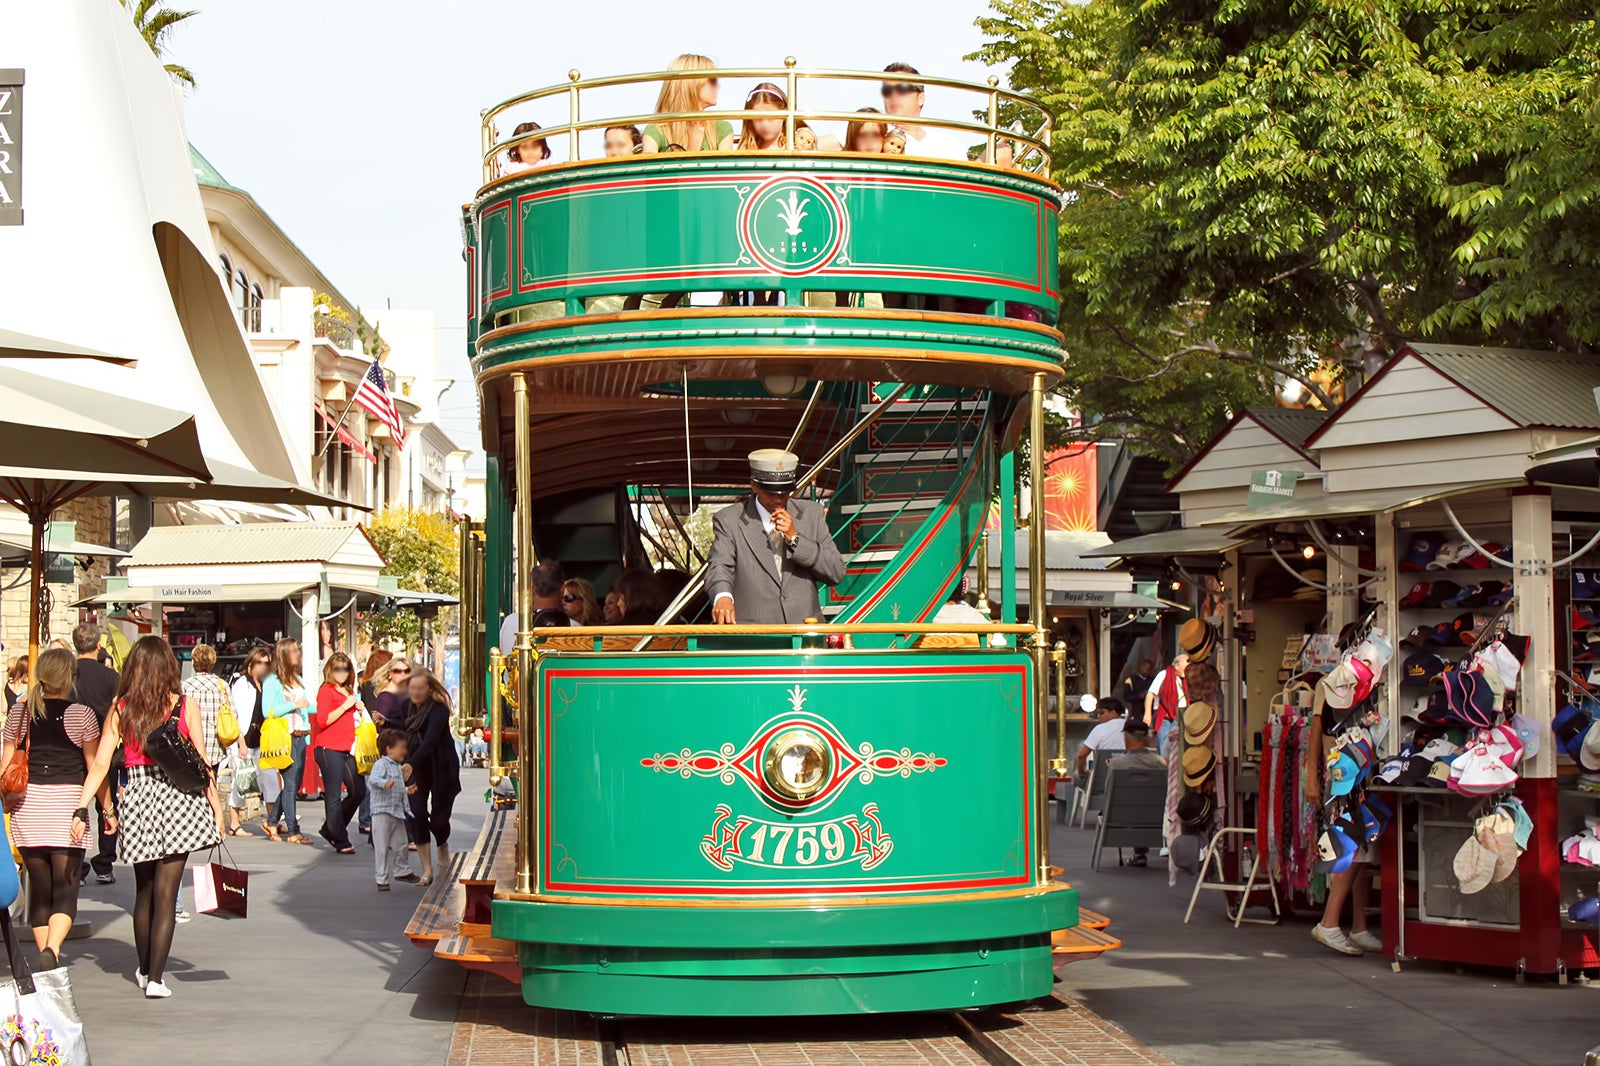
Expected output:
(612, 644)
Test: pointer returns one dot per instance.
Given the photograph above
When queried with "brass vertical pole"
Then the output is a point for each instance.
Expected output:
(983, 568)
(574, 115)
(496, 727)
(793, 91)
(527, 817)
(1058, 658)
(1036, 615)
(470, 708)
(994, 118)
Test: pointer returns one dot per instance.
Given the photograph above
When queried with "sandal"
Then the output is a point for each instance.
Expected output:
(298, 838)
(345, 851)
(272, 833)
(240, 831)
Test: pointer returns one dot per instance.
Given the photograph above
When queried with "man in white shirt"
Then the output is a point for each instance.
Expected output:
(904, 100)
(1107, 733)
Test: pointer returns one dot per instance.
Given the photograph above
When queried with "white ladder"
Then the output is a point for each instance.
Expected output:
(1213, 860)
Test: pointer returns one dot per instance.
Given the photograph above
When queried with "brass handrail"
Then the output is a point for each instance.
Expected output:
(786, 629)
(497, 665)
(790, 75)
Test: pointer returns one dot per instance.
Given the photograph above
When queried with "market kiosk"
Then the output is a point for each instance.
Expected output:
(1478, 450)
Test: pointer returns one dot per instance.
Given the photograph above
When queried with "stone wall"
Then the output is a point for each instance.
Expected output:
(94, 526)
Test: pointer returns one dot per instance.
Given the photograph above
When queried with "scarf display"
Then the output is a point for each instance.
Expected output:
(1286, 827)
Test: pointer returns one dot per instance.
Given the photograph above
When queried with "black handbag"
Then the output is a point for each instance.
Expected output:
(177, 757)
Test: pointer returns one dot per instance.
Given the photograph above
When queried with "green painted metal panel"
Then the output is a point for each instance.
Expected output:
(665, 223)
(498, 596)
(663, 332)
(654, 782)
(783, 927)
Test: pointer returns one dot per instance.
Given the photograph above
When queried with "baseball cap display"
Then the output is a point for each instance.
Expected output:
(1422, 550)
(1451, 553)
(1421, 595)
(1339, 687)
(1568, 729)
(1588, 753)
(1469, 698)
(1478, 560)
(1422, 668)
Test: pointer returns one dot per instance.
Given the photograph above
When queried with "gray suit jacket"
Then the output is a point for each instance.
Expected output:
(741, 563)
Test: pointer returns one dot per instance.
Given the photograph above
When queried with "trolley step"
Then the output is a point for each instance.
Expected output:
(1080, 943)
(1092, 919)
(487, 953)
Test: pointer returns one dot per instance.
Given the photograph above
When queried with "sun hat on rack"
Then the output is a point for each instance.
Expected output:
(1422, 550)
(1198, 762)
(1497, 832)
(1196, 638)
(1497, 655)
(1199, 720)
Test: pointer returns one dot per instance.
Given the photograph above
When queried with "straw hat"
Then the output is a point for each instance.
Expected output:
(1198, 762)
(1196, 639)
(1199, 719)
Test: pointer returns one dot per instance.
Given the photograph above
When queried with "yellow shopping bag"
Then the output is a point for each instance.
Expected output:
(227, 721)
(366, 748)
(275, 745)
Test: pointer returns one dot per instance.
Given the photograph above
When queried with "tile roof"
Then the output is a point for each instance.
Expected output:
(265, 542)
(205, 173)
(1532, 388)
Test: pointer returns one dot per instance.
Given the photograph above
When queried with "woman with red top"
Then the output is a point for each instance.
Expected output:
(160, 824)
(335, 735)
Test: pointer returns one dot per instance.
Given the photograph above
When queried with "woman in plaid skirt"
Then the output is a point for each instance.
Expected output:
(160, 825)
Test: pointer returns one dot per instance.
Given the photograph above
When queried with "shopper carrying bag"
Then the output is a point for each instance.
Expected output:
(39, 1019)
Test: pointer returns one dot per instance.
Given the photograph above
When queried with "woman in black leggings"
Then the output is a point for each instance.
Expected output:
(55, 733)
(432, 770)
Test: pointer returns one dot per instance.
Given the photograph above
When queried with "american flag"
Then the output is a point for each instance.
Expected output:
(372, 396)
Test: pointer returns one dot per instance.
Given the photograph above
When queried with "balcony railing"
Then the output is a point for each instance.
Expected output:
(342, 334)
(1015, 129)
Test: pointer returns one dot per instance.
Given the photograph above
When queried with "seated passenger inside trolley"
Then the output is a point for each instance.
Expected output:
(686, 96)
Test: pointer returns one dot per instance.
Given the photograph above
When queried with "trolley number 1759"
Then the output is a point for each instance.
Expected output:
(810, 844)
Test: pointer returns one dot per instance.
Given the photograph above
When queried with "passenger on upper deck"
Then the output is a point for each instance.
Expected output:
(770, 551)
(866, 135)
(529, 154)
(623, 140)
(684, 95)
(904, 100)
(764, 134)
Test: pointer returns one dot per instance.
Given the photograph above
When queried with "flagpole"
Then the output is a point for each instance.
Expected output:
(334, 432)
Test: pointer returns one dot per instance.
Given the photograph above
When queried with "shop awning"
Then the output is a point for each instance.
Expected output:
(1575, 465)
(342, 432)
(1170, 542)
(269, 592)
(17, 546)
(1340, 505)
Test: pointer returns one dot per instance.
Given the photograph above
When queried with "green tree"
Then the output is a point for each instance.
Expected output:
(1257, 188)
(155, 23)
(421, 550)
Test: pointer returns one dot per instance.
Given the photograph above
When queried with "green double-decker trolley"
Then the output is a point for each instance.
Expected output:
(637, 325)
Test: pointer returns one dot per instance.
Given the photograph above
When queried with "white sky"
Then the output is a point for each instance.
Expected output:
(354, 123)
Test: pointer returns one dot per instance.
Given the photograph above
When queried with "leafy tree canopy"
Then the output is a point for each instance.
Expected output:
(421, 550)
(1257, 187)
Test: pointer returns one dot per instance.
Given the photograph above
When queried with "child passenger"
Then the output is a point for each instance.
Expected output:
(386, 784)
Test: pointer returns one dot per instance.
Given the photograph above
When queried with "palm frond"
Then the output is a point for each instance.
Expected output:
(180, 73)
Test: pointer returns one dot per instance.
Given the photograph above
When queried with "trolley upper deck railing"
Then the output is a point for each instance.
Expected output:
(1010, 124)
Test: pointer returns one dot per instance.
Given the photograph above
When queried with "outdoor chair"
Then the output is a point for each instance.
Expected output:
(1090, 796)
(1135, 807)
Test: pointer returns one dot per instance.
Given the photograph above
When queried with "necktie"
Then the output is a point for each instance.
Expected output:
(775, 541)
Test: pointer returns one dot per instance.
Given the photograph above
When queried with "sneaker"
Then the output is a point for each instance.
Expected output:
(107, 878)
(157, 990)
(182, 916)
(1335, 939)
(140, 979)
(1366, 941)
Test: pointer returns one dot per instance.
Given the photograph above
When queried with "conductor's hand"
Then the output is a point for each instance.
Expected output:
(783, 522)
(722, 611)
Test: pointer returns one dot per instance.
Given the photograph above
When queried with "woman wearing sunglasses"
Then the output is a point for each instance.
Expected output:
(578, 600)
(389, 702)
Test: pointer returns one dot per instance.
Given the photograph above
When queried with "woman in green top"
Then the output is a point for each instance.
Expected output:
(684, 95)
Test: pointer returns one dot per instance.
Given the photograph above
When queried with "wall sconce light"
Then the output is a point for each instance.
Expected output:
(783, 381)
(738, 416)
(1309, 551)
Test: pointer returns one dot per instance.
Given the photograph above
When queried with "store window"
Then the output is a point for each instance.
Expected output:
(241, 293)
(227, 275)
(253, 317)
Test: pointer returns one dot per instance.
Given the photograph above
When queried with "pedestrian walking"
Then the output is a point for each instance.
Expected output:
(95, 688)
(342, 787)
(284, 696)
(433, 768)
(386, 785)
(246, 699)
(51, 733)
(160, 822)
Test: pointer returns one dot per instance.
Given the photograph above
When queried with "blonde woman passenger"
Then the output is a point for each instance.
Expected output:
(688, 95)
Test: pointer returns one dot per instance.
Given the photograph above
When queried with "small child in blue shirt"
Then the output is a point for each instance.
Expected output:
(386, 784)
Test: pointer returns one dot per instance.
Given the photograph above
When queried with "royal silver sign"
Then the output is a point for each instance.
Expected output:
(10, 147)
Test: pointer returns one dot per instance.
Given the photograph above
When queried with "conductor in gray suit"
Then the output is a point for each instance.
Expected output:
(770, 551)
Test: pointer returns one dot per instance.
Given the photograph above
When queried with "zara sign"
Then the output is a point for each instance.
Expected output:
(10, 147)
